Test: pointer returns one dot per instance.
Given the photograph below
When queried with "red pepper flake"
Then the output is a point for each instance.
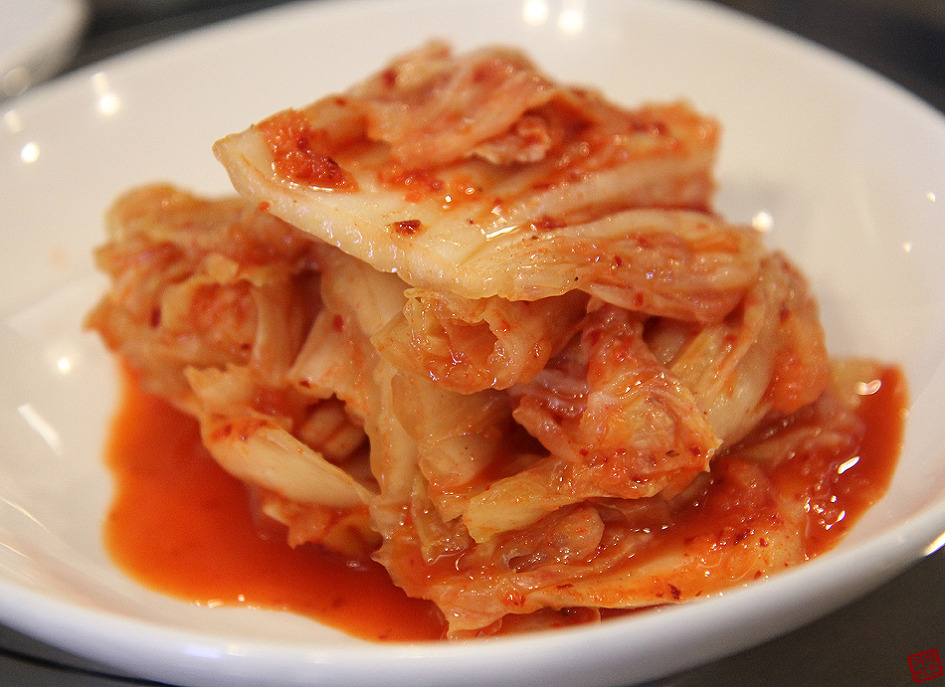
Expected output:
(389, 78)
(263, 206)
(547, 223)
(416, 184)
(407, 227)
(301, 152)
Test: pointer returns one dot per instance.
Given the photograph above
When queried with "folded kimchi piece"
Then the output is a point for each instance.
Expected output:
(749, 517)
(469, 345)
(210, 304)
(338, 357)
(202, 283)
(259, 447)
(616, 422)
(433, 167)
(606, 553)
(768, 355)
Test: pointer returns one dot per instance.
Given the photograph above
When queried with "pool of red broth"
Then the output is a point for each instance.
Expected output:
(181, 525)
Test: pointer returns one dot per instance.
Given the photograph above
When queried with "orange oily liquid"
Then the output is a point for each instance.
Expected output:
(182, 526)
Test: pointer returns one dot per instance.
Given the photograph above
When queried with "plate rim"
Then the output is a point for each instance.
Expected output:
(914, 537)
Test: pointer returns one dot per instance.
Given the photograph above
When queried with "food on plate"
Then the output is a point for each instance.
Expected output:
(488, 330)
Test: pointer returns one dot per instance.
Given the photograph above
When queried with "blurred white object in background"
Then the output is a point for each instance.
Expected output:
(37, 39)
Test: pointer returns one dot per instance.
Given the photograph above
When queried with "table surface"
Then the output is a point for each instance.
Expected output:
(867, 643)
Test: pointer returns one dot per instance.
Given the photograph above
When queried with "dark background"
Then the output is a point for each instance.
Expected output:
(869, 642)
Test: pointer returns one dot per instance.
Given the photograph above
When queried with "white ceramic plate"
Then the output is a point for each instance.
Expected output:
(37, 38)
(849, 170)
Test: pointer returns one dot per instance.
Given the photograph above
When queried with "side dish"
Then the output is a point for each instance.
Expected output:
(488, 330)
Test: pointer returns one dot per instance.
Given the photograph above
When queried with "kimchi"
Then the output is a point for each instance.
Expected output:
(488, 330)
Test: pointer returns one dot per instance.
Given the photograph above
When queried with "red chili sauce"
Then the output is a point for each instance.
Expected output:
(182, 526)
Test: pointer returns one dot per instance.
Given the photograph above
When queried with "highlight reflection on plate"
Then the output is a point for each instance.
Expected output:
(845, 170)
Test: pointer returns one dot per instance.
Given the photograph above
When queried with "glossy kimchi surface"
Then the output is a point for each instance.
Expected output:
(487, 329)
